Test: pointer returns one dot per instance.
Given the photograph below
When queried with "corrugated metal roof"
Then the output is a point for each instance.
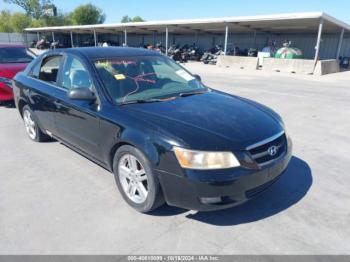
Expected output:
(276, 22)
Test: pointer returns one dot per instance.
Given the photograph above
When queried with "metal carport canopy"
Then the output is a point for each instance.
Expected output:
(278, 23)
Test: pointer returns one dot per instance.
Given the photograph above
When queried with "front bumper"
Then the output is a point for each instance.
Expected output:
(194, 194)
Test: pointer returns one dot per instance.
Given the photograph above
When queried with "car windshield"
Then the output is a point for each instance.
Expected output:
(142, 78)
(14, 55)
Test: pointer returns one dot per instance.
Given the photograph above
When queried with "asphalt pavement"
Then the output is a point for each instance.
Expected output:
(54, 201)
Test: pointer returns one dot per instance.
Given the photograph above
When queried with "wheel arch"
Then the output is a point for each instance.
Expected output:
(21, 103)
(145, 145)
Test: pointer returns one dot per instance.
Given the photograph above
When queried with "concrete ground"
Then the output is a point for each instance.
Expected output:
(54, 201)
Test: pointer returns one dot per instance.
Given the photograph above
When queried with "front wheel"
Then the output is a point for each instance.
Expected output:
(135, 179)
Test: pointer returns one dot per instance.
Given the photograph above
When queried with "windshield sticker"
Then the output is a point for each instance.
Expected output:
(119, 76)
(182, 73)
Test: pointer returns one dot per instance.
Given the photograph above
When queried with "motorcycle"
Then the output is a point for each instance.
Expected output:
(160, 48)
(88, 42)
(43, 44)
(56, 44)
(33, 44)
(236, 51)
(210, 56)
(252, 52)
(176, 53)
(194, 53)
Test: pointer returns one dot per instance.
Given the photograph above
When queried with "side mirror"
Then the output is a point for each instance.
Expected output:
(198, 78)
(81, 94)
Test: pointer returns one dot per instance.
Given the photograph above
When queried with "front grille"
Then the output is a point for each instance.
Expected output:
(261, 152)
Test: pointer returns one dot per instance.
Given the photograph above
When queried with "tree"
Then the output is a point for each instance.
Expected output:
(5, 25)
(127, 19)
(35, 16)
(32, 8)
(19, 22)
(138, 19)
(58, 20)
(87, 14)
(35, 23)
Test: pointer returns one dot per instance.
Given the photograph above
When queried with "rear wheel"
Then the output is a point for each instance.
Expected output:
(31, 126)
(136, 180)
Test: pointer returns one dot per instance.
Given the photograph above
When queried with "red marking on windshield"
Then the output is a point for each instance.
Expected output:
(137, 79)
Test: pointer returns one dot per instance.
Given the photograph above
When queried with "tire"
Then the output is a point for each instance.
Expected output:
(130, 182)
(31, 125)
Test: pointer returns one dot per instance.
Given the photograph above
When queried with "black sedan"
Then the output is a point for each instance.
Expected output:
(164, 135)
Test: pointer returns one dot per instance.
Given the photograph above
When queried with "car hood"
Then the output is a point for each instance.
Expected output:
(209, 119)
(11, 69)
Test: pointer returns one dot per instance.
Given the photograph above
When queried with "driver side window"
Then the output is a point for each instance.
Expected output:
(75, 75)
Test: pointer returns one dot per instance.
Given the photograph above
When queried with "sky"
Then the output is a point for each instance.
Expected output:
(152, 10)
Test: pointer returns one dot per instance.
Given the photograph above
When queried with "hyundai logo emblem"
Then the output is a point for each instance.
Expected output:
(272, 150)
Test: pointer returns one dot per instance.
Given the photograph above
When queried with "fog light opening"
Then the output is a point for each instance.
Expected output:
(211, 200)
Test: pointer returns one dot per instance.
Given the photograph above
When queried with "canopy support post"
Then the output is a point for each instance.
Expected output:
(166, 40)
(71, 39)
(318, 43)
(125, 37)
(340, 43)
(226, 40)
(53, 39)
(95, 37)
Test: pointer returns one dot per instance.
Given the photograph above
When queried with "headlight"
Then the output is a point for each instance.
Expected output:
(192, 159)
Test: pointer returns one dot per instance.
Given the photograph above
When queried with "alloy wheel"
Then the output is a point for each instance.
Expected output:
(133, 178)
(29, 124)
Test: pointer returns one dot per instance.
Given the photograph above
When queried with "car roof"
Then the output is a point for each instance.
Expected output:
(94, 53)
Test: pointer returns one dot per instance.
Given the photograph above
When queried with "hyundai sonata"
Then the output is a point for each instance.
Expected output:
(164, 134)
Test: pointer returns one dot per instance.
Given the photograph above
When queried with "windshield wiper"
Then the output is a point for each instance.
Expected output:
(184, 94)
(140, 101)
